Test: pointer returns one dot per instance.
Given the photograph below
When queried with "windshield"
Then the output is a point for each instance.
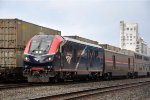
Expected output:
(41, 43)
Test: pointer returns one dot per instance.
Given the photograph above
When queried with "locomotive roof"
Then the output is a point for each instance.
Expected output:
(81, 42)
(42, 37)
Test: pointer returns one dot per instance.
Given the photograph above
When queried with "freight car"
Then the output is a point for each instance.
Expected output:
(48, 57)
(14, 34)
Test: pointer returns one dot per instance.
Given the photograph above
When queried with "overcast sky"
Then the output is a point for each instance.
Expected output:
(94, 19)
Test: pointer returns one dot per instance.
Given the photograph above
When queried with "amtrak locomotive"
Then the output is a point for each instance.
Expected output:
(53, 57)
(48, 57)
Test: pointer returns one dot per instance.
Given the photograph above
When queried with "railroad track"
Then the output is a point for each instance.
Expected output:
(90, 92)
(4, 86)
(18, 85)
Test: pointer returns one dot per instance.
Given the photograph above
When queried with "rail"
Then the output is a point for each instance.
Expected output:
(89, 92)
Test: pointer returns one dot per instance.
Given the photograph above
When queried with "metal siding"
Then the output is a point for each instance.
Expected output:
(7, 34)
(19, 58)
(7, 58)
(11, 58)
(15, 33)
(19, 36)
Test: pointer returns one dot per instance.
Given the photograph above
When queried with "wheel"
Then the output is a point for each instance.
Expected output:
(136, 75)
(107, 76)
(128, 75)
(133, 75)
(148, 74)
(54, 80)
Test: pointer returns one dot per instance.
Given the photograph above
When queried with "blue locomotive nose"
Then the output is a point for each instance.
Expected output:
(38, 59)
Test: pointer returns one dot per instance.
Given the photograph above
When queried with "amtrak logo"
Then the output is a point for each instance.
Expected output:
(68, 57)
(37, 59)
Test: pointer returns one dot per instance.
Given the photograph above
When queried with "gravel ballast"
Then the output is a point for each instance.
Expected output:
(33, 92)
(135, 93)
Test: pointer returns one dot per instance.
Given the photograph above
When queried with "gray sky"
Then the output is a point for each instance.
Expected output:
(93, 19)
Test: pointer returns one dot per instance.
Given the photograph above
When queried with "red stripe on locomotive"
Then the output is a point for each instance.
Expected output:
(55, 44)
(37, 68)
(27, 47)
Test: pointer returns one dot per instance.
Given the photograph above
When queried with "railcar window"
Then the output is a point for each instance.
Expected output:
(138, 56)
(96, 54)
(135, 56)
(146, 59)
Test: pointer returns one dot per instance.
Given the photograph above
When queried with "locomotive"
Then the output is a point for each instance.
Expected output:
(53, 57)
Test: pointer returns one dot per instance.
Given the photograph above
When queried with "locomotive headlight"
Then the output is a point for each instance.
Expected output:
(49, 58)
(40, 52)
(25, 66)
(26, 59)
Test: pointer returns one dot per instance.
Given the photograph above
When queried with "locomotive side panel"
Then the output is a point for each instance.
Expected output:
(95, 59)
(82, 59)
(71, 56)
